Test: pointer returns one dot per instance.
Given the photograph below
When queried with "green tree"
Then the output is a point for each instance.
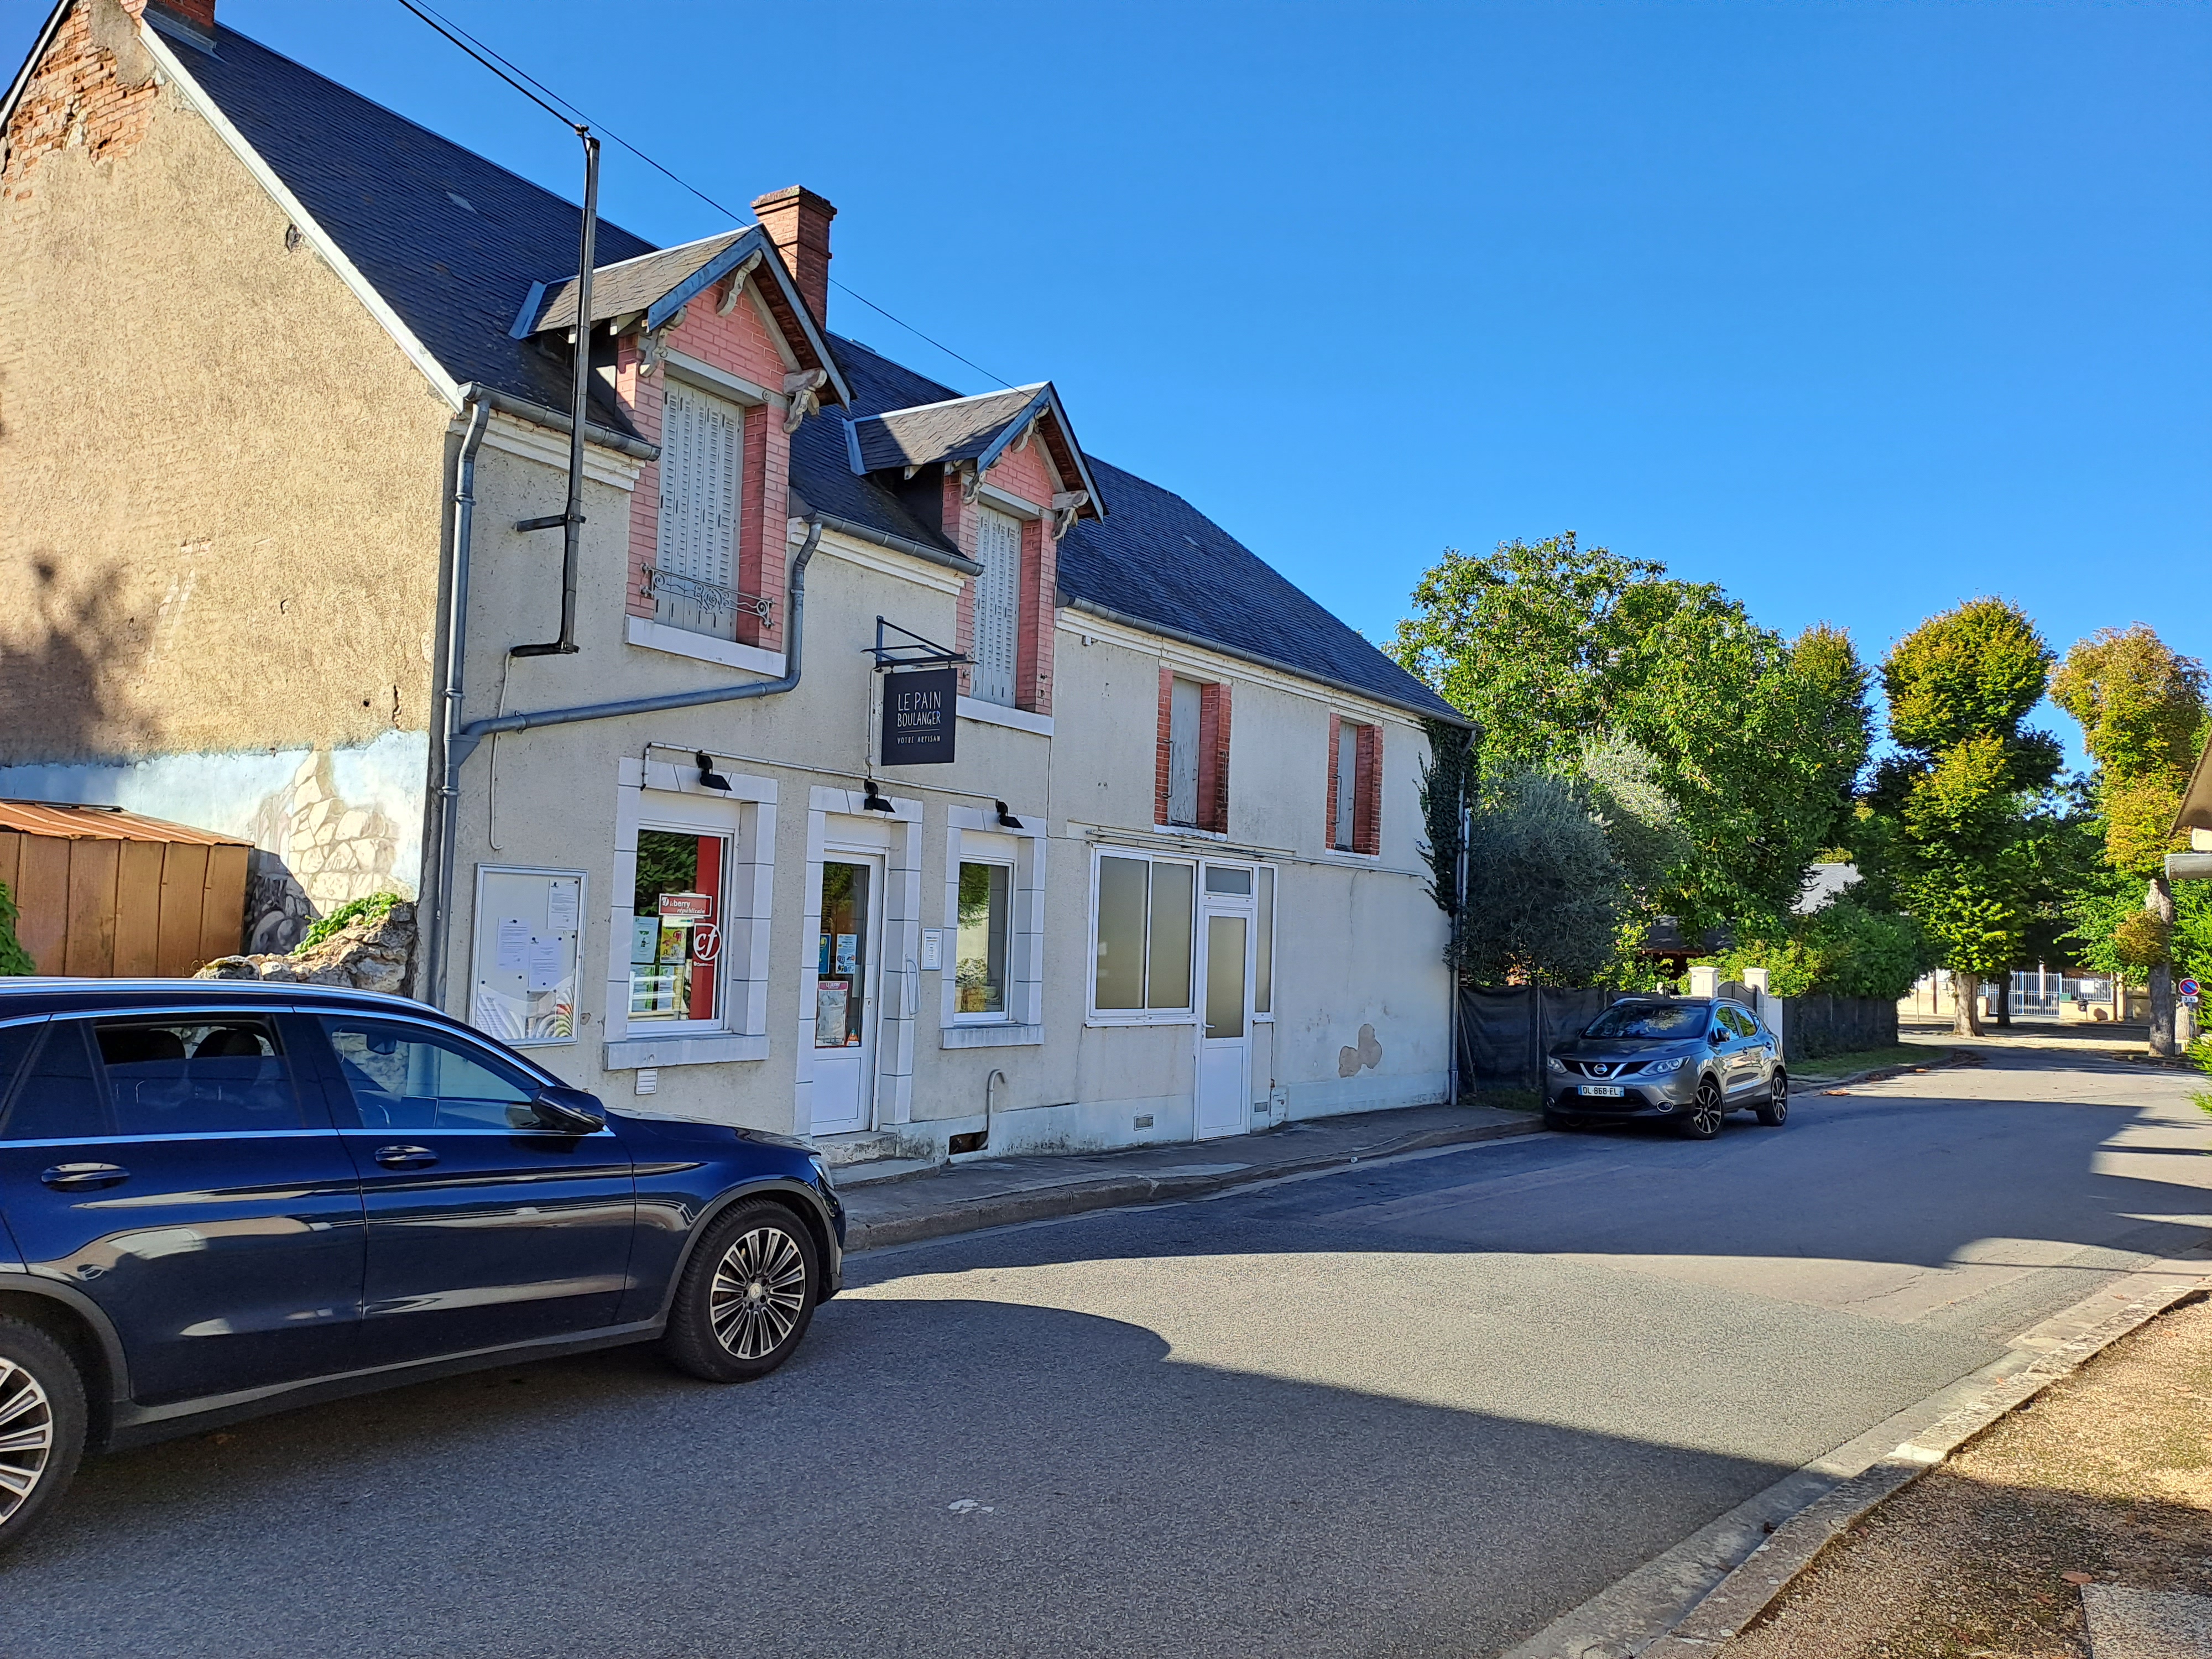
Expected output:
(1583, 663)
(1545, 896)
(2142, 709)
(1962, 789)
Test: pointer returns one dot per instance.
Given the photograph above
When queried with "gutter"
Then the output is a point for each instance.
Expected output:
(449, 696)
(1443, 711)
(522, 409)
(861, 533)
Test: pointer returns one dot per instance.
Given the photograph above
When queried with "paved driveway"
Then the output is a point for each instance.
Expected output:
(1415, 1408)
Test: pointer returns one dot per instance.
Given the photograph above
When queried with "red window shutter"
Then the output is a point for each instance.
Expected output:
(1213, 758)
(1328, 809)
(1367, 811)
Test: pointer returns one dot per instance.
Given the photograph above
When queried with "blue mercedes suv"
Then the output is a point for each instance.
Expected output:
(219, 1198)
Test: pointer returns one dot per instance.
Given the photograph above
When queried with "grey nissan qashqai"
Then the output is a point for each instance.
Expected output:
(220, 1198)
(1688, 1061)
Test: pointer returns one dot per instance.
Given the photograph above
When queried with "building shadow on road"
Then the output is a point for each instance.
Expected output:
(927, 1477)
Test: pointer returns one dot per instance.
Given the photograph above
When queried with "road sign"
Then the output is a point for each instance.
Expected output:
(2188, 987)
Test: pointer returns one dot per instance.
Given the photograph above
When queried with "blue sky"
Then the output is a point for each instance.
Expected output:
(1858, 311)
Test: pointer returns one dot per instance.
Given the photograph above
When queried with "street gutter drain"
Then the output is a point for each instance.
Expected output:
(973, 1141)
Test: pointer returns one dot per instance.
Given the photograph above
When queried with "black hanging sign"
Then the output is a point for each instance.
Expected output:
(918, 716)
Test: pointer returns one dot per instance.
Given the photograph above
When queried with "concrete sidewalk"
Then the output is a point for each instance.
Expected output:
(994, 1192)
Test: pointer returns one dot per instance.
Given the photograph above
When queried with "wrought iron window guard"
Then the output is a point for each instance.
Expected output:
(708, 596)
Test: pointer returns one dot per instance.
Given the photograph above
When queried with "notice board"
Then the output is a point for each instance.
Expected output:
(529, 932)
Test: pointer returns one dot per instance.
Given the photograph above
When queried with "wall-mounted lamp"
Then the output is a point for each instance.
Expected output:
(709, 777)
(1007, 820)
(872, 802)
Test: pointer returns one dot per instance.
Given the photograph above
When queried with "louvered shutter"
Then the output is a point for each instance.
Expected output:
(998, 605)
(697, 539)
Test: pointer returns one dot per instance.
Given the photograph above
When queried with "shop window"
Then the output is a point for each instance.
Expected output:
(1141, 955)
(676, 928)
(980, 951)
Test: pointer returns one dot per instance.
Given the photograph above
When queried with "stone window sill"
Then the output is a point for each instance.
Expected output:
(1008, 1035)
(632, 1054)
(701, 647)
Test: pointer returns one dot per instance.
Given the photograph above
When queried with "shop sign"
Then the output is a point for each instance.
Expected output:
(918, 717)
(681, 909)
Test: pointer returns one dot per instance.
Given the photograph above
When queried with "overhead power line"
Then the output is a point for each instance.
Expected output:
(570, 115)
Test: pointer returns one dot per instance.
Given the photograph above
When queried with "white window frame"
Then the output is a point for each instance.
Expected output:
(983, 689)
(1271, 876)
(974, 835)
(1093, 1014)
(661, 795)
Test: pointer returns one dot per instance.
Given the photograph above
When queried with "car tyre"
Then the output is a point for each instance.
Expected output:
(1706, 1113)
(1561, 1122)
(42, 1426)
(747, 1295)
(1776, 1112)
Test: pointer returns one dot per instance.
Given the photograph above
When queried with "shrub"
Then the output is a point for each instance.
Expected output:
(14, 961)
(372, 909)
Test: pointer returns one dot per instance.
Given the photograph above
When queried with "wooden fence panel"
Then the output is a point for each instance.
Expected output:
(139, 909)
(43, 895)
(222, 907)
(184, 900)
(90, 949)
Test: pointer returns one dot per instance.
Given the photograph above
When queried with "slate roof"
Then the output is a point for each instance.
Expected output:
(1154, 560)
(453, 243)
(451, 240)
(956, 429)
(631, 285)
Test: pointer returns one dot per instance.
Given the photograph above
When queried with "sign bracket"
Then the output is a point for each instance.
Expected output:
(921, 653)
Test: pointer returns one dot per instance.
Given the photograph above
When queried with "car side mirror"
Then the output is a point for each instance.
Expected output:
(1717, 1035)
(568, 1111)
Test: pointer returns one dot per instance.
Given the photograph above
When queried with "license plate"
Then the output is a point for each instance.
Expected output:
(1604, 1091)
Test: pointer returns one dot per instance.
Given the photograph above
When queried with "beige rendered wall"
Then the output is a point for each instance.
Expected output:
(221, 496)
(220, 528)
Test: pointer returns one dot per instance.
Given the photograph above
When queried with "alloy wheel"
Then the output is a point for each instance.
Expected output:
(26, 1435)
(1776, 1112)
(759, 1292)
(1706, 1112)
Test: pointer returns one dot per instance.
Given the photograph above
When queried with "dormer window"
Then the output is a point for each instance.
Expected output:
(696, 550)
(998, 605)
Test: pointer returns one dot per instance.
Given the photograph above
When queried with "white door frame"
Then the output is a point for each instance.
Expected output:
(873, 860)
(1209, 905)
(836, 822)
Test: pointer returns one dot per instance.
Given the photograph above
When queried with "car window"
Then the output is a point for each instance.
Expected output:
(58, 1098)
(406, 1076)
(1671, 1020)
(204, 1074)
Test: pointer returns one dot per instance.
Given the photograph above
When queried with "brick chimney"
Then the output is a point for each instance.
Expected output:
(200, 13)
(798, 222)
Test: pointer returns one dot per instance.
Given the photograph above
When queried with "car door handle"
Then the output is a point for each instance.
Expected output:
(405, 1158)
(84, 1177)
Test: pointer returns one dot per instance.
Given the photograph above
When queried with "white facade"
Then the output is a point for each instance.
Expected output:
(1321, 968)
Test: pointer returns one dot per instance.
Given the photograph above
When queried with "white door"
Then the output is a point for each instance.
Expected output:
(1224, 1037)
(845, 991)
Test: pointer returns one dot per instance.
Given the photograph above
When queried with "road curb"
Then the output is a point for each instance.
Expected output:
(1747, 1591)
(1115, 1191)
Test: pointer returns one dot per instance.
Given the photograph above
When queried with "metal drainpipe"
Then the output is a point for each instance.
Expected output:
(457, 623)
(463, 742)
(572, 518)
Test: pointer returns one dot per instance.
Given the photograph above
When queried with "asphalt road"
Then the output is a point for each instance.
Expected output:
(1420, 1408)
